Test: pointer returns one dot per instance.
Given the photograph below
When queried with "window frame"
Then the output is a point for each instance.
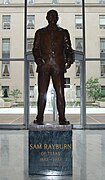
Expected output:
(102, 26)
(6, 24)
(80, 24)
(30, 21)
(4, 64)
(5, 45)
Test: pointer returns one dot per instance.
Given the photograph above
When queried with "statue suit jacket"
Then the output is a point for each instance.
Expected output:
(52, 46)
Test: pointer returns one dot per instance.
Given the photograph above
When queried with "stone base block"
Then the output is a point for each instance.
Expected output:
(50, 150)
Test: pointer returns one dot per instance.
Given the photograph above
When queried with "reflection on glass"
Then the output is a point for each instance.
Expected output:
(4, 153)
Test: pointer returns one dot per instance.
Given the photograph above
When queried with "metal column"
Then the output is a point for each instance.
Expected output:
(26, 72)
(83, 76)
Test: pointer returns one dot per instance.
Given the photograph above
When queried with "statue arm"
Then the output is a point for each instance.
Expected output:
(69, 52)
(36, 49)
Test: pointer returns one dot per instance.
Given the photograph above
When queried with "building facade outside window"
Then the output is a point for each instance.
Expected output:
(6, 21)
(30, 21)
(102, 21)
(78, 22)
(70, 12)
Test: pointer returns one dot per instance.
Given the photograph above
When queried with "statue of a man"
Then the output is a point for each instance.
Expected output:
(53, 55)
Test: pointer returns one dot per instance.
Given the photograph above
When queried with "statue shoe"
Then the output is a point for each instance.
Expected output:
(38, 122)
(64, 122)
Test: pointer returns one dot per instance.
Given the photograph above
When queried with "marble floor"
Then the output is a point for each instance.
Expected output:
(88, 156)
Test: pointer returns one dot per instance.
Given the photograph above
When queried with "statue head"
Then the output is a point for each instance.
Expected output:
(52, 17)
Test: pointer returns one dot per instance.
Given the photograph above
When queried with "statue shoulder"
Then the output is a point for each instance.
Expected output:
(60, 28)
(40, 30)
(63, 30)
(66, 31)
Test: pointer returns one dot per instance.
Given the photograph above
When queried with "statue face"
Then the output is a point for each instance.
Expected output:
(52, 17)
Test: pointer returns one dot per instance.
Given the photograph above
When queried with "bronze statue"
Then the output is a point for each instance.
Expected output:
(53, 55)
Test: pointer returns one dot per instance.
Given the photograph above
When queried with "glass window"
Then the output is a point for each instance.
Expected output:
(102, 48)
(29, 44)
(77, 68)
(102, 1)
(5, 91)
(67, 82)
(31, 1)
(32, 69)
(13, 94)
(79, 47)
(102, 22)
(102, 63)
(5, 69)
(102, 45)
(103, 90)
(78, 91)
(54, 1)
(6, 48)
(30, 22)
(6, 1)
(78, 22)
(6, 21)
(79, 44)
(32, 92)
(78, 1)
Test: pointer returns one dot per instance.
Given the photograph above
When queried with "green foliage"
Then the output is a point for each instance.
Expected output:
(102, 99)
(93, 89)
(16, 94)
(103, 94)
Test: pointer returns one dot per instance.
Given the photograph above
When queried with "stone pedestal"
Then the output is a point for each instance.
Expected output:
(50, 150)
